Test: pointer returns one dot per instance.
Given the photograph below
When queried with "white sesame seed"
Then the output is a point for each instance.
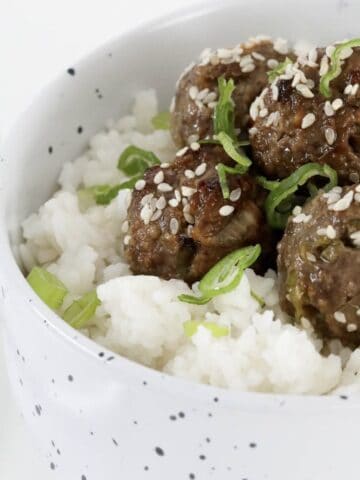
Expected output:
(337, 104)
(355, 237)
(308, 120)
(127, 239)
(226, 210)
(312, 56)
(297, 210)
(177, 195)
(146, 199)
(344, 202)
(340, 317)
(186, 208)
(184, 201)
(357, 197)
(189, 174)
(357, 188)
(253, 131)
(165, 165)
(189, 218)
(212, 104)
(189, 230)
(330, 50)
(304, 90)
(159, 177)
(156, 216)
(328, 109)
(306, 324)
(164, 187)
(173, 202)
(324, 66)
(258, 56)
(193, 138)
(193, 92)
(199, 104)
(161, 203)
(182, 151)
(275, 92)
(187, 191)
(125, 227)
(200, 169)
(246, 60)
(195, 146)
(272, 63)
(337, 189)
(351, 327)
(321, 232)
(202, 94)
(174, 226)
(248, 68)
(235, 194)
(330, 232)
(348, 89)
(355, 89)
(146, 214)
(281, 46)
(310, 257)
(140, 184)
(330, 136)
(263, 112)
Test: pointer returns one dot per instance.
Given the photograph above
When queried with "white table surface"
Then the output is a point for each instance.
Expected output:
(39, 38)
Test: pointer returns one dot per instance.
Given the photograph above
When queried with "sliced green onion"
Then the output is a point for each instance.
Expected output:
(224, 113)
(289, 186)
(49, 288)
(191, 327)
(214, 141)
(81, 311)
(225, 275)
(222, 170)
(231, 149)
(267, 184)
(161, 121)
(335, 66)
(135, 160)
(103, 194)
(259, 299)
(279, 70)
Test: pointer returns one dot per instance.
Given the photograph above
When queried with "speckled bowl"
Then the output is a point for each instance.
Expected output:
(93, 414)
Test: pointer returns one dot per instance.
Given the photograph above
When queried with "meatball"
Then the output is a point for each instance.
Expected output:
(319, 264)
(195, 99)
(295, 124)
(179, 224)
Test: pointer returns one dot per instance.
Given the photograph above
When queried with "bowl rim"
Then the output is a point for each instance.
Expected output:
(137, 375)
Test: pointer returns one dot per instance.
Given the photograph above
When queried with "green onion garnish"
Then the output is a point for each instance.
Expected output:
(224, 275)
(161, 121)
(335, 66)
(289, 186)
(279, 70)
(81, 311)
(224, 113)
(49, 288)
(135, 160)
(267, 184)
(231, 149)
(259, 299)
(191, 327)
(103, 194)
(222, 170)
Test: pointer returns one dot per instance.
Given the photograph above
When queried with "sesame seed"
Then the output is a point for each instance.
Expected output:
(330, 50)
(272, 63)
(156, 216)
(184, 201)
(193, 92)
(275, 92)
(337, 104)
(193, 138)
(226, 210)
(195, 146)
(308, 120)
(146, 214)
(263, 112)
(330, 232)
(182, 151)
(159, 177)
(177, 195)
(212, 104)
(330, 135)
(248, 68)
(200, 169)
(161, 203)
(189, 230)
(355, 89)
(235, 194)
(189, 174)
(328, 109)
(310, 257)
(258, 56)
(281, 46)
(140, 184)
(186, 208)
(357, 188)
(344, 202)
(146, 199)
(165, 165)
(187, 191)
(164, 187)
(351, 327)
(355, 237)
(174, 226)
(189, 218)
(324, 66)
(302, 218)
(127, 239)
(253, 131)
(125, 227)
(297, 210)
(304, 90)
(348, 89)
(340, 317)
(173, 202)
(357, 197)
(306, 324)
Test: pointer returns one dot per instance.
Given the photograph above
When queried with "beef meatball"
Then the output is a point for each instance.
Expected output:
(179, 224)
(319, 264)
(196, 95)
(295, 124)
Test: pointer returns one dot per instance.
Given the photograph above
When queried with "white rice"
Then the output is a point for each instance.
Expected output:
(141, 317)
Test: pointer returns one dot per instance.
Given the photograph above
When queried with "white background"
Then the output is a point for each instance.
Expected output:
(38, 39)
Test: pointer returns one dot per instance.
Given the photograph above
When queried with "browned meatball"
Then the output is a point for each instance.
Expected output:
(319, 264)
(295, 124)
(179, 223)
(196, 95)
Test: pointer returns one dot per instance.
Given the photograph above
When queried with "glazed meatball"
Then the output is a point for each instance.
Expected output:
(196, 95)
(295, 124)
(319, 264)
(179, 224)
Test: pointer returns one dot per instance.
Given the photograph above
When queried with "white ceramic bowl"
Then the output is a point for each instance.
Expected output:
(95, 415)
